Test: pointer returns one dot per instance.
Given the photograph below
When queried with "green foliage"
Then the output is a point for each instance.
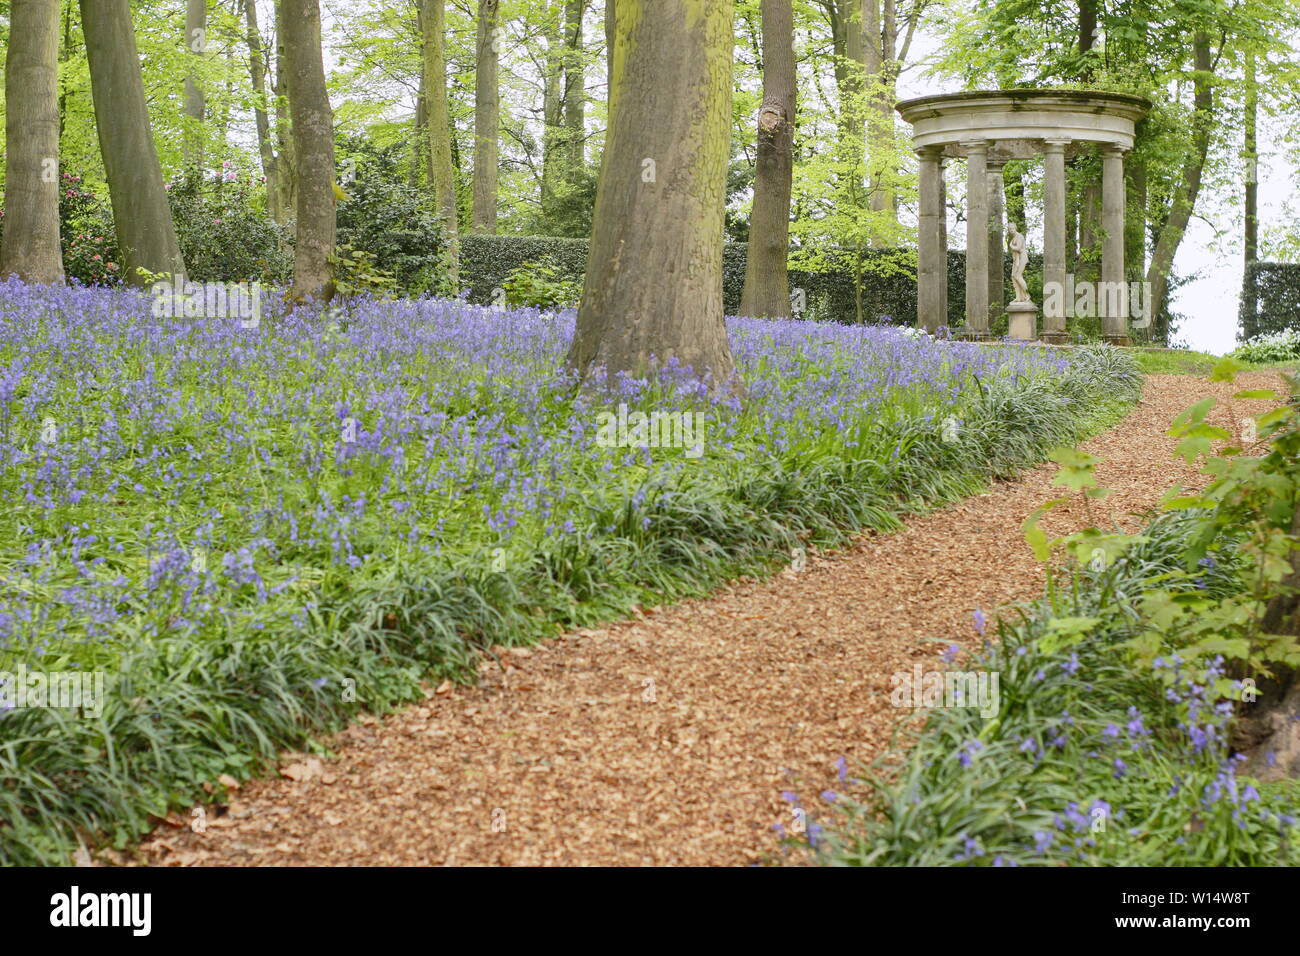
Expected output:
(357, 274)
(540, 285)
(222, 237)
(886, 294)
(487, 262)
(1116, 691)
(1270, 300)
(394, 223)
(1086, 760)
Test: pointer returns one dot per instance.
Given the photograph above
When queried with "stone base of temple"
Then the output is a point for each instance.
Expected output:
(1116, 339)
(971, 335)
(1056, 338)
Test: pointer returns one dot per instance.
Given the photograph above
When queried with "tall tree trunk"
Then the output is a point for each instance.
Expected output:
(257, 72)
(575, 88)
(881, 131)
(653, 293)
(552, 107)
(1184, 200)
(1135, 219)
(852, 131)
(313, 138)
(487, 119)
(442, 170)
(31, 248)
(611, 18)
(1251, 150)
(286, 165)
(767, 282)
(196, 44)
(142, 217)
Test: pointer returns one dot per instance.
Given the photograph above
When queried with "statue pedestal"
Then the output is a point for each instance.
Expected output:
(1024, 321)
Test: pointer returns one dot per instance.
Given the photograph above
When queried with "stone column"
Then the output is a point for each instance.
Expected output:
(943, 239)
(1054, 284)
(977, 238)
(931, 267)
(997, 241)
(1112, 296)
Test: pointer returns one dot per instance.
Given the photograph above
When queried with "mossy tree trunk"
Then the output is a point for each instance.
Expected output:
(767, 282)
(487, 119)
(32, 249)
(142, 217)
(442, 168)
(653, 290)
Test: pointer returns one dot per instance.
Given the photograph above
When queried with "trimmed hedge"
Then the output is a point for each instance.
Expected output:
(1270, 298)
(888, 290)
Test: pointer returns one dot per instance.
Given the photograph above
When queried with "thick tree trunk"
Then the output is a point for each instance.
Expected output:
(442, 170)
(313, 137)
(196, 44)
(257, 72)
(487, 120)
(653, 293)
(575, 88)
(767, 281)
(1184, 200)
(32, 249)
(142, 217)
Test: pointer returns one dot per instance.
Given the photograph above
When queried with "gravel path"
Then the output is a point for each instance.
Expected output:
(669, 739)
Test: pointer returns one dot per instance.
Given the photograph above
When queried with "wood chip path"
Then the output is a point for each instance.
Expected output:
(669, 739)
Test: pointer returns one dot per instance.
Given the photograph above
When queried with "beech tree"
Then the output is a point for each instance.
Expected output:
(442, 171)
(767, 282)
(141, 214)
(31, 247)
(313, 139)
(487, 119)
(653, 289)
(265, 148)
(196, 43)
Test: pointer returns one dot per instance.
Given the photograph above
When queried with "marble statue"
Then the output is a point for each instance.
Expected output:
(1019, 259)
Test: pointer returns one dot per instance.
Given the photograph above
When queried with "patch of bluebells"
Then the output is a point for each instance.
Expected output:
(175, 436)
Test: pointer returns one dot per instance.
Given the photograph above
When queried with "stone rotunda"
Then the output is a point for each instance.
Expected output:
(988, 129)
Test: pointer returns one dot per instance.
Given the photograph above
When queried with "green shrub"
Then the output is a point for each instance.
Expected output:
(887, 293)
(396, 224)
(222, 237)
(1270, 298)
(1270, 347)
(540, 285)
